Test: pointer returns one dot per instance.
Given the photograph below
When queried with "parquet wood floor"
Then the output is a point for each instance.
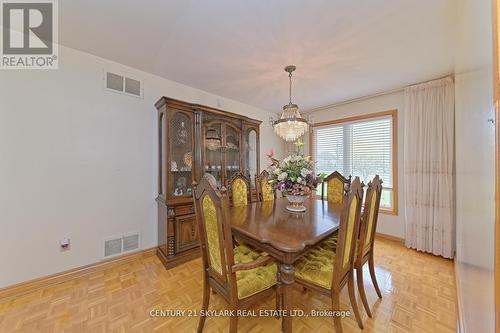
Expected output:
(418, 290)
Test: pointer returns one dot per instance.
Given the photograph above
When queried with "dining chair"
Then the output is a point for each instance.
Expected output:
(239, 274)
(366, 239)
(326, 268)
(265, 190)
(239, 186)
(336, 186)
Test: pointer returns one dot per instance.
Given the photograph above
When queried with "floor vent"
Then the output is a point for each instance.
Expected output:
(122, 84)
(121, 244)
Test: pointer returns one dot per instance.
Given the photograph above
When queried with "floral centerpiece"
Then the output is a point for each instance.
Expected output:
(294, 176)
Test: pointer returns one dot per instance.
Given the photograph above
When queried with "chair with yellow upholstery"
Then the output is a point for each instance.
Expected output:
(239, 186)
(237, 273)
(336, 186)
(265, 190)
(328, 267)
(366, 237)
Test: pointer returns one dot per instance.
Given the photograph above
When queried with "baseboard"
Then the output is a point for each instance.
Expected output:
(390, 237)
(180, 258)
(460, 306)
(46, 281)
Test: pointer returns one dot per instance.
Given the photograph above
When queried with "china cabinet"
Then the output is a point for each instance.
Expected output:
(192, 140)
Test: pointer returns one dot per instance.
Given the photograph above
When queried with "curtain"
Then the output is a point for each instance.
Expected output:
(428, 167)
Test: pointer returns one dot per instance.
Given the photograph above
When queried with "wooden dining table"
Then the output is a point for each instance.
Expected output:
(286, 236)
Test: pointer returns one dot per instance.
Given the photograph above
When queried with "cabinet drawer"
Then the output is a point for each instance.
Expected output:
(186, 232)
(184, 210)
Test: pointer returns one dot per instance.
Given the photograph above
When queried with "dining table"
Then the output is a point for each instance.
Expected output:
(286, 236)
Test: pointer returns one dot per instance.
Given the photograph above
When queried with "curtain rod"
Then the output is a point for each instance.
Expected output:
(362, 98)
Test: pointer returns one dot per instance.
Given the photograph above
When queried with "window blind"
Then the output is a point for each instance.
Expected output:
(360, 148)
(329, 148)
(371, 150)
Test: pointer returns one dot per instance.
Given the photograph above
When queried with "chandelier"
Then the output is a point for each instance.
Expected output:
(291, 125)
(212, 139)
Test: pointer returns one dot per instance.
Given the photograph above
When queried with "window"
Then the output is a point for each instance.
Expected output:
(362, 146)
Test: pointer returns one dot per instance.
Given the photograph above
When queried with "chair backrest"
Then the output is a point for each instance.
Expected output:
(265, 190)
(370, 217)
(348, 231)
(211, 207)
(336, 186)
(239, 186)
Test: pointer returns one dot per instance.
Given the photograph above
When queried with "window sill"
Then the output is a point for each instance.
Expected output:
(388, 211)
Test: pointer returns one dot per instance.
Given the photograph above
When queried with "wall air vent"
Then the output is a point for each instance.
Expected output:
(112, 247)
(121, 244)
(132, 87)
(130, 242)
(122, 84)
(114, 82)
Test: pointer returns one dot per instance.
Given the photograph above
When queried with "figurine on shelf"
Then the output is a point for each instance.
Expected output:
(188, 159)
(173, 166)
(180, 189)
(182, 134)
(232, 146)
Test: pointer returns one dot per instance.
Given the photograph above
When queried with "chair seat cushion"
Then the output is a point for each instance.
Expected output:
(331, 242)
(316, 267)
(250, 282)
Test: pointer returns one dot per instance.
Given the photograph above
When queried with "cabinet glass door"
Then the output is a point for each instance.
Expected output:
(181, 160)
(251, 156)
(213, 152)
(232, 142)
(163, 155)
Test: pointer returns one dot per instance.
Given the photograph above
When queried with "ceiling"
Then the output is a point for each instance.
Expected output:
(237, 49)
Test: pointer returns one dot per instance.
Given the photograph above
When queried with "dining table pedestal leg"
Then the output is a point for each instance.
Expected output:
(286, 281)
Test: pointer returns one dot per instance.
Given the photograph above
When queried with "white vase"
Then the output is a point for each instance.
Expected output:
(296, 203)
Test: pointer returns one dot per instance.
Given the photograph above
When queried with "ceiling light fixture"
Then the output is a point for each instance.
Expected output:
(212, 139)
(291, 125)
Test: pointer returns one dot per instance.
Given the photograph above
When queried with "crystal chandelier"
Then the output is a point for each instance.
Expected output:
(291, 125)
(212, 139)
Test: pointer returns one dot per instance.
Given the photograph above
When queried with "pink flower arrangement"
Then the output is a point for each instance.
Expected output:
(294, 175)
(270, 154)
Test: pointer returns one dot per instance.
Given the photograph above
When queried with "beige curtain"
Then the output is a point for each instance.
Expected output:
(428, 167)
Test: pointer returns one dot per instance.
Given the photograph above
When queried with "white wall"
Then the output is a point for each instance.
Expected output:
(387, 224)
(77, 161)
(475, 165)
(475, 136)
